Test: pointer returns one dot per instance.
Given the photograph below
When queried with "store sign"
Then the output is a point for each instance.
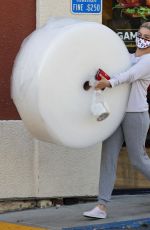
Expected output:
(128, 36)
(127, 17)
(86, 6)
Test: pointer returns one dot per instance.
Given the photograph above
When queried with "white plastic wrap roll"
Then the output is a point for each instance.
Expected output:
(48, 77)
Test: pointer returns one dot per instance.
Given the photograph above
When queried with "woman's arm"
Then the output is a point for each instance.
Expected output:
(140, 70)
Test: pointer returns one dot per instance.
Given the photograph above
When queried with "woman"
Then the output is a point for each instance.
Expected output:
(134, 127)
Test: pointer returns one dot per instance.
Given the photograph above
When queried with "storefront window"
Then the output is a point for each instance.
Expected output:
(125, 17)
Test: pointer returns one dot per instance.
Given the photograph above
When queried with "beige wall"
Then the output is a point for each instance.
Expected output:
(17, 176)
(29, 168)
(61, 8)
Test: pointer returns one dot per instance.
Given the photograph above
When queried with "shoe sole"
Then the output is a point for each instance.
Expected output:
(94, 217)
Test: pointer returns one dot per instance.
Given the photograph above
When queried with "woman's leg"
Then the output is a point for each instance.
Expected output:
(135, 127)
(110, 151)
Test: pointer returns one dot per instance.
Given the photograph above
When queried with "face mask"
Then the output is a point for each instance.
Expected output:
(142, 43)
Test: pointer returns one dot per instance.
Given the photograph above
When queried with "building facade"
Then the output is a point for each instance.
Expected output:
(30, 168)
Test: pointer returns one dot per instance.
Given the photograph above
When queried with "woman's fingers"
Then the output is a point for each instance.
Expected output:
(102, 84)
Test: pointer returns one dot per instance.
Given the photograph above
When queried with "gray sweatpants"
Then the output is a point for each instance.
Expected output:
(133, 130)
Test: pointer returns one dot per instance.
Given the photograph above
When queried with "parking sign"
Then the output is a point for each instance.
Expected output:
(86, 6)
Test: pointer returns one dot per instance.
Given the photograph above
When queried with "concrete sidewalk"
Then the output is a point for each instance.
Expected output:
(121, 208)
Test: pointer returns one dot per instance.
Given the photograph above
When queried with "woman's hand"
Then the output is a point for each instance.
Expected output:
(102, 84)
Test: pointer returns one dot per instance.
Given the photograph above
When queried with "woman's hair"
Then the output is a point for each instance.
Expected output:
(145, 25)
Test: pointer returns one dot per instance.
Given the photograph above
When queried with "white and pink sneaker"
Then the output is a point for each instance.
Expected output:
(96, 212)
